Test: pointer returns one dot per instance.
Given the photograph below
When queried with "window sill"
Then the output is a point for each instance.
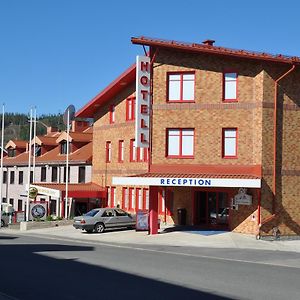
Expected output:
(181, 101)
(180, 157)
(230, 157)
(230, 100)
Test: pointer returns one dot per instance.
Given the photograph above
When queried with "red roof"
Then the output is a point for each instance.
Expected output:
(189, 175)
(110, 91)
(210, 49)
(78, 190)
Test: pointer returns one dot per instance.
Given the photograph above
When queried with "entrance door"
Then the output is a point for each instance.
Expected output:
(211, 208)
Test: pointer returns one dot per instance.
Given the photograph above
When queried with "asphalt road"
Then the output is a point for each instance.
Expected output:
(42, 268)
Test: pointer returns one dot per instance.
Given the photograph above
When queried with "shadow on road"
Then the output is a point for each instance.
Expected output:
(27, 275)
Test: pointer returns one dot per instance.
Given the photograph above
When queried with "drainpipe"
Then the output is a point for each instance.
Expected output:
(275, 136)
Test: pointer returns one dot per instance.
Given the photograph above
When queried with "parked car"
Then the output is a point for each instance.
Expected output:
(222, 217)
(99, 219)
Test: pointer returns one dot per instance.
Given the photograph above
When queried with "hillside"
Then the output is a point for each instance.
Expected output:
(17, 125)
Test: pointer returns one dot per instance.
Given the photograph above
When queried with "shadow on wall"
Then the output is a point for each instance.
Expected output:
(32, 274)
(281, 217)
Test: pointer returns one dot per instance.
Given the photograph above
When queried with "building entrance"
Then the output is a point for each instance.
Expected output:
(211, 208)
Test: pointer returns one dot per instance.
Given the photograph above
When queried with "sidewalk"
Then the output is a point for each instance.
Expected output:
(166, 237)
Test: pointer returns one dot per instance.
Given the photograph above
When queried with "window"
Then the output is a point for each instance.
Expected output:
(180, 143)
(230, 86)
(181, 87)
(12, 177)
(21, 177)
(145, 198)
(81, 174)
(20, 204)
(138, 198)
(4, 200)
(130, 109)
(54, 174)
(11, 201)
(65, 174)
(162, 202)
(63, 147)
(108, 151)
(112, 115)
(11, 152)
(31, 177)
(229, 148)
(4, 177)
(113, 196)
(131, 199)
(125, 198)
(38, 150)
(121, 151)
(132, 150)
(142, 154)
(43, 174)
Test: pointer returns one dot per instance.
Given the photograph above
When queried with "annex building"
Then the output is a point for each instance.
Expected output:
(224, 138)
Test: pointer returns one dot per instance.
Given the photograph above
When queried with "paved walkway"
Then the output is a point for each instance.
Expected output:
(166, 237)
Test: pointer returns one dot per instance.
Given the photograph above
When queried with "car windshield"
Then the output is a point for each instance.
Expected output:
(92, 213)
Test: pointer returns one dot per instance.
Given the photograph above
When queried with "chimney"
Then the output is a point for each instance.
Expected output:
(208, 42)
(51, 129)
(79, 126)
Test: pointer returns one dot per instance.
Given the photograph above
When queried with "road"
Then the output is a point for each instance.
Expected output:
(50, 268)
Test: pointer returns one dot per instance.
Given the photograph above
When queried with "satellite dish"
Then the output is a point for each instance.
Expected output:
(71, 109)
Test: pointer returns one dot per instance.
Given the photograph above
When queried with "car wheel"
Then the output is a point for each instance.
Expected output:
(89, 230)
(2, 223)
(99, 227)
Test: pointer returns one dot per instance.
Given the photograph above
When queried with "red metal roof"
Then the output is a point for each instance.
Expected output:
(78, 190)
(210, 49)
(110, 91)
(189, 175)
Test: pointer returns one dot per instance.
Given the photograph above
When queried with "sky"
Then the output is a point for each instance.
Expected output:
(54, 53)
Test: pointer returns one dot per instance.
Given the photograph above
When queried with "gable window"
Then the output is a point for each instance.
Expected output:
(181, 87)
(38, 150)
(112, 115)
(21, 175)
(121, 151)
(229, 147)
(54, 174)
(108, 152)
(230, 86)
(63, 147)
(81, 174)
(130, 109)
(12, 177)
(180, 143)
(43, 174)
(11, 152)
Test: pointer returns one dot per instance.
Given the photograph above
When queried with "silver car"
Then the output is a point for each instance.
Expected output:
(99, 219)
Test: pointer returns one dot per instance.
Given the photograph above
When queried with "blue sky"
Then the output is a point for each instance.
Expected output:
(59, 52)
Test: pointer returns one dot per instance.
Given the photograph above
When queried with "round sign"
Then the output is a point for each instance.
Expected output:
(38, 211)
(33, 191)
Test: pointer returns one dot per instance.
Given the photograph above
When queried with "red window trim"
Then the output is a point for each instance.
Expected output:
(181, 73)
(121, 151)
(223, 88)
(131, 145)
(145, 198)
(112, 114)
(112, 196)
(108, 151)
(132, 100)
(236, 143)
(137, 198)
(180, 144)
(130, 198)
(124, 189)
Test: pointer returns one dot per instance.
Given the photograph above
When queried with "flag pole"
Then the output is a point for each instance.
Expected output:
(34, 146)
(1, 167)
(29, 167)
(67, 164)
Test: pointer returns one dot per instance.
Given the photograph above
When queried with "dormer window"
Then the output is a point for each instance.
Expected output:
(63, 147)
(11, 152)
(38, 150)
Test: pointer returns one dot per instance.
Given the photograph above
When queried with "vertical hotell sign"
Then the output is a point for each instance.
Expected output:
(143, 102)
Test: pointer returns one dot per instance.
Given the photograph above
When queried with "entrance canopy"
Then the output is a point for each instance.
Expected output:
(190, 180)
(75, 190)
